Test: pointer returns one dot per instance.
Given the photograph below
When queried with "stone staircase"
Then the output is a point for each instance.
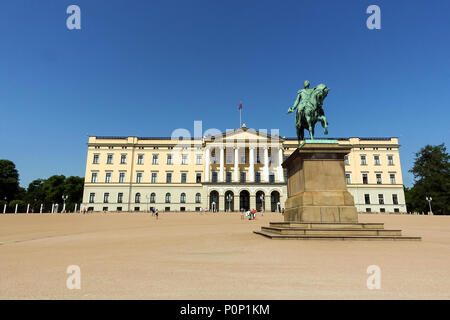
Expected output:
(331, 231)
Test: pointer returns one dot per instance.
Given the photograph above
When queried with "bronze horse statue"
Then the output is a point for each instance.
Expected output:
(309, 109)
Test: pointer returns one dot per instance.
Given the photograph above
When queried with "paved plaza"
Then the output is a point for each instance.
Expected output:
(214, 256)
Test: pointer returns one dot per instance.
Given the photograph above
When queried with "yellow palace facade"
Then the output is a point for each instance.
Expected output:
(240, 169)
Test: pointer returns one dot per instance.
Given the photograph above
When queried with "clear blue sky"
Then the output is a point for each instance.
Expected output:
(145, 68)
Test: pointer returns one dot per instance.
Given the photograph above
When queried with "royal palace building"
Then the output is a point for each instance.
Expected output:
(226, 172)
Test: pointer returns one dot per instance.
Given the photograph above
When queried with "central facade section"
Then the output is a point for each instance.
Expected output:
(243, 171)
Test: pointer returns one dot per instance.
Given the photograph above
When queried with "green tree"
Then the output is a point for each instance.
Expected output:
(9, 180)
(431, 172)
(73, 188)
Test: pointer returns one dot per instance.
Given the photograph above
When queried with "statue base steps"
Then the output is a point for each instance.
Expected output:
(330, 231)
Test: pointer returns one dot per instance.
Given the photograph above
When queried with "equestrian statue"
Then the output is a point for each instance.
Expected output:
(309, 110)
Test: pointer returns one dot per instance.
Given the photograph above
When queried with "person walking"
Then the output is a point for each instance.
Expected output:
(156, 213)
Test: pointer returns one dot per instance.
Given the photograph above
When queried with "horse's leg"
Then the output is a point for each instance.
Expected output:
(324, 123)
(310, 127)
(299, 134)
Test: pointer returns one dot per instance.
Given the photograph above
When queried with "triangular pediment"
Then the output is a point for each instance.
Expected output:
(243, 134)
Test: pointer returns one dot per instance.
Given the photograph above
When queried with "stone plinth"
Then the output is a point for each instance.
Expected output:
(319, 207)
(317, 190)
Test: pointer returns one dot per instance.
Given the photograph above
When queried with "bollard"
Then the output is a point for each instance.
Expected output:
(40, 210)
(15, 210)
(28, 208)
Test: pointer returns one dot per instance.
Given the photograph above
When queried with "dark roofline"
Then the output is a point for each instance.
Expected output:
(365, 138)
(140, 138)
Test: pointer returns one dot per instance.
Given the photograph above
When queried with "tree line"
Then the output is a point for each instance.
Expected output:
(40, 191)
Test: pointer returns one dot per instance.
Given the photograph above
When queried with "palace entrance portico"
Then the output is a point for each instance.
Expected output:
(227, 197)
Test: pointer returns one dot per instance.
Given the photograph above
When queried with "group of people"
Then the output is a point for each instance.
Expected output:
(250, 214)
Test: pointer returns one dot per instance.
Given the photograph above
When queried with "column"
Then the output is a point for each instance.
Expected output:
(252, 201)
(236, 164)
(268, 203)
(251, 171)
(207, 164)
(236, 200)
(280, 168)
(221, 164)
(266, 164)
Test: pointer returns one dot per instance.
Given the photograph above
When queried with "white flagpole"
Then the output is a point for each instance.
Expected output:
(240, 114)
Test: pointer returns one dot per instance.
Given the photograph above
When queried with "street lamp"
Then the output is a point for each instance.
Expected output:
(4, 206)
(64, 197)
(429, 203)
(229, 199)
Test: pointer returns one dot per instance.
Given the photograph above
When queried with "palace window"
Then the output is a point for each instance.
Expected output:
(94, 177)
(137, 198)
(183, 198)
(96, 157)
(394, 199)
(376, 160)
(140, 159)
(120, 197)
(139, 177)
(198, 198)
(91, 197)
(198, 159)
(198, 177)
(348, 178)
(242, 176)
(169, 177)
(214, 176)
(154, 177)
(380, 199)
(346, 161)
(121, 177)
(123, 159)
(392, 178)
(184, 159)
(363, 160)
(152, 197)
(168, 197)
(367, 198)
(272, 178)
(108, 177)
(155, 159)
(390, 160)
(364, 178)
(106, 197)
(258, 177)
(183, 177)
(169, 159)
(378, 178)
(228, 177)
(109, 159)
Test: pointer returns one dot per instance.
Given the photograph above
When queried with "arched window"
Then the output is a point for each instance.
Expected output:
(198, 198)
(167, 197)
(137, 199)
(152, 197)
(183, 198)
